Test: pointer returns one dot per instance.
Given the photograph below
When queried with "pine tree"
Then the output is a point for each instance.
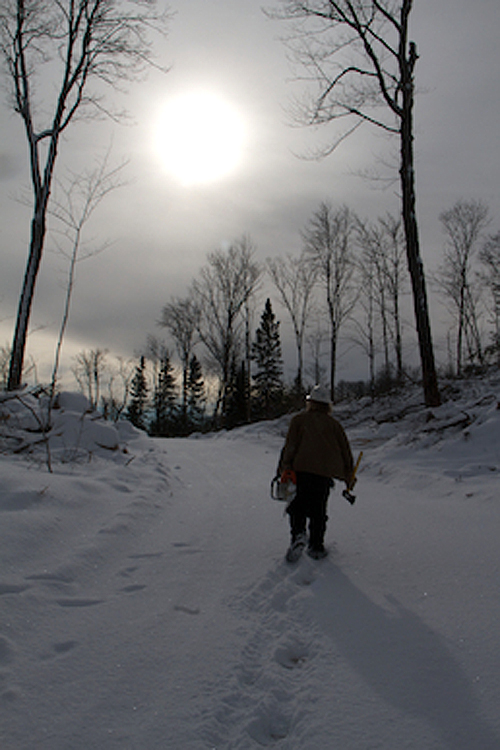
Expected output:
(196, 393)
(138, 396)
(165, 421)
(266, 352)
(237, 412)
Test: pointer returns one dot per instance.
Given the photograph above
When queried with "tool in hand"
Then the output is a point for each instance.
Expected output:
(347, 493)
(284, 487)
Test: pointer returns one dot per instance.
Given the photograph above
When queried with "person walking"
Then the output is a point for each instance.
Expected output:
(316, 451)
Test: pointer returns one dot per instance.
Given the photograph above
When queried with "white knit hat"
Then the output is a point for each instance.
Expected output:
(319, 394)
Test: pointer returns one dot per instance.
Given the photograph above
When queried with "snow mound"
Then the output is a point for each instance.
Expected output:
(400, 435)
(71, 431)
(72, 402)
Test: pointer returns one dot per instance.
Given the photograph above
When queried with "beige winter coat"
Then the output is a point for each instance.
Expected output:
(317, 443)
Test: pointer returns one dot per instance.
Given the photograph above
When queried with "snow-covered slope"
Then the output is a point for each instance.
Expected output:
(145, 603)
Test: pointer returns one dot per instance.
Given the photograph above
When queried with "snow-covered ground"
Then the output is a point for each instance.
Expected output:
(145, 603)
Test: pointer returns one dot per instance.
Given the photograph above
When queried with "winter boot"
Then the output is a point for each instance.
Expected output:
(318, 552)
(317, 529)
(296, 548)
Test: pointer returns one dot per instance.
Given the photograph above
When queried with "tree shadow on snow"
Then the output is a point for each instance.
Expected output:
(404, 662)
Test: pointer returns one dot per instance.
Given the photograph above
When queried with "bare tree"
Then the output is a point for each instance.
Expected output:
(82, 194)
(295, 279)
(118, 387)
(373, 268)
(363, 64)
(364, 323)
(463, 225)
(181, 317)
(317, 337)
(328, 246)
(88, 371)
(81, 46)
(382, 277)
(154, 353)
(220, 293)
(489, 255)
(393, 230)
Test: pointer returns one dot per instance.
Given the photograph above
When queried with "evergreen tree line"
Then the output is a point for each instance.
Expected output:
(155, 401)
(155, 407)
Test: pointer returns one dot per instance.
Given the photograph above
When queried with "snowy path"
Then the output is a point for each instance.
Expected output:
(151, 609)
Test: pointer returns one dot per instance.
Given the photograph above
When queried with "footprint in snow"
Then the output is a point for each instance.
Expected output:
(117, 528)
(8, 694)
(127, 572)
(189, 551)
(79, 602)
(51, 577)
(59, 650)
(12, 588)
(13, 502)
(305, 574)
(145, 555)
(187, 610)
(120, 487)
(6, 652)
(133, 588)
(291, 654)
(64, 647)
(258, 697)
(269, 726)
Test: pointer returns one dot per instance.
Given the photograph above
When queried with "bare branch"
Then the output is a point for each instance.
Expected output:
(294, 278)
(85, 46)
(91, 190)
(221, 292)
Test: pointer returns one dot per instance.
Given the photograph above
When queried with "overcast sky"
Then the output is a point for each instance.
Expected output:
(161, 229)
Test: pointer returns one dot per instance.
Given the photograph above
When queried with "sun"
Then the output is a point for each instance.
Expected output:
(199, 138)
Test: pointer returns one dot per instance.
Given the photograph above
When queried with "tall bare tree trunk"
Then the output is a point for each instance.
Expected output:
(380, 73)
(26, 299)
(415, 265)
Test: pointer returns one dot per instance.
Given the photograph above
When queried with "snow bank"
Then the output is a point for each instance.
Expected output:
(71, 432)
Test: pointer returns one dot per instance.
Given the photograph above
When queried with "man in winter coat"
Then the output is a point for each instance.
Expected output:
(316, 450)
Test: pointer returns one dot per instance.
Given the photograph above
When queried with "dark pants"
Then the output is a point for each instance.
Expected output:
(310, 502)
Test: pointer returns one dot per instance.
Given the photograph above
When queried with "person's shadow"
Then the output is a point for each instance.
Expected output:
(404, 662)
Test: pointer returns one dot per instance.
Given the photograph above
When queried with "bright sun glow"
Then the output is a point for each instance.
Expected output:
(199, 138)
